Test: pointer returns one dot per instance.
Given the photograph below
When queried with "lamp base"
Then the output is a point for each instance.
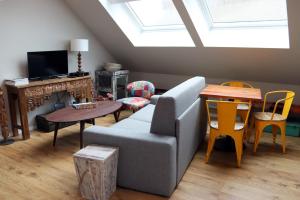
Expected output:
(78, 74)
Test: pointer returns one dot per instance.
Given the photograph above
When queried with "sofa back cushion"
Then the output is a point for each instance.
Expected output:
(173, 103)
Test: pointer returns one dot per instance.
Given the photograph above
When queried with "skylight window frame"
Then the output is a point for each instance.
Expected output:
(238, 24)
(275, 37)
(130, 26)
(153, 28)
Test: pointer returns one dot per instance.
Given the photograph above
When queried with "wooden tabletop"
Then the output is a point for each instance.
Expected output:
(70, 114)
(220, 91)
(46, 82)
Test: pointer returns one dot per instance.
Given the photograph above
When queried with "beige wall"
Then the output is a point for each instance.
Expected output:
(167, 81)
(41, 25)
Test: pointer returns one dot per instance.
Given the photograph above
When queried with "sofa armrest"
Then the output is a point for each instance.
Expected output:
(154, 99)
(147, 162)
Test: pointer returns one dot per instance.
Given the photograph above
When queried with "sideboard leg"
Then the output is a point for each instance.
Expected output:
(13, 113)
(23, 116)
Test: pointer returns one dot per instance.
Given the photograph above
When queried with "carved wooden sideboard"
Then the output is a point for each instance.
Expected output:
(3, 117)
(35, 94)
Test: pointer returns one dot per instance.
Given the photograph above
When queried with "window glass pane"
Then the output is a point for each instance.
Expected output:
(155, 12)
(228, 11)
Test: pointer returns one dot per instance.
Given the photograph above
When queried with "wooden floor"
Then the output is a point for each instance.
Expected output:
(33, 169)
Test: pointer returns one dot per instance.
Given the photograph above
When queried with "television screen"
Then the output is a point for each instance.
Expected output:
(46, 64)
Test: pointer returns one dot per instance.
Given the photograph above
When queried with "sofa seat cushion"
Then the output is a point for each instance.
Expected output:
(132, 124)
(134, 103)
(145, 114)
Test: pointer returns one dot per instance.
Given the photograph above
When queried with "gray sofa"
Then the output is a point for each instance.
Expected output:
(158, 142)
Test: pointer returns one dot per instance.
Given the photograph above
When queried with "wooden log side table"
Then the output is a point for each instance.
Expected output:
(3, 117)
(96, 169)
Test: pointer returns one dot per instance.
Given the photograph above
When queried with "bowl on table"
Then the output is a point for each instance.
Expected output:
(112, 67)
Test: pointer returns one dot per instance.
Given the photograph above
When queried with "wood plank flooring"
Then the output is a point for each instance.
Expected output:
(34, 170)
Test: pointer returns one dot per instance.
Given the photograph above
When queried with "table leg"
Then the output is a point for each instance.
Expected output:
(13, 113)
(3, 118)
(23, 116)
(55, 133)
(82, 125)
(117, 115)
(4, 130)
(203, 121)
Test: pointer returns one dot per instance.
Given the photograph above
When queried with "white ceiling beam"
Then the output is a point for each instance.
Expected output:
(188, 22)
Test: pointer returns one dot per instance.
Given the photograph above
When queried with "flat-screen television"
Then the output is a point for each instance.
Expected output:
(47, 64)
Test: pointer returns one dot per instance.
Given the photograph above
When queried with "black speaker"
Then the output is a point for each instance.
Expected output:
(45, 126)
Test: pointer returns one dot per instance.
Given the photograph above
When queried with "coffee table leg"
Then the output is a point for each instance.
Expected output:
(82, 124)
(117, 115)
(55, 133)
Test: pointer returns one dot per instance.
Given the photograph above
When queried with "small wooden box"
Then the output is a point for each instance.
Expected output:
(96, 169)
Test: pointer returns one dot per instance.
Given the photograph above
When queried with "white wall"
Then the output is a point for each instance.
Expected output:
(41, 25)
(167, 81)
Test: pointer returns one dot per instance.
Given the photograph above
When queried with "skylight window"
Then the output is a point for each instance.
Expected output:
(156, 14)
(241, 13)
(240, 23)
(149, 23)
(219, 23)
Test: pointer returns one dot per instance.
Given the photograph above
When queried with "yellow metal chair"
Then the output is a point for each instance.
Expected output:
(226, 125)
(242, 108)
(277, 121)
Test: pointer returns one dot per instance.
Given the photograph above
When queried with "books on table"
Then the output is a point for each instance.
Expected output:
(18, 81)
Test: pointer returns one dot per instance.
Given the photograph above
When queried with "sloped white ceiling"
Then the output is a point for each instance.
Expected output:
(267, 65)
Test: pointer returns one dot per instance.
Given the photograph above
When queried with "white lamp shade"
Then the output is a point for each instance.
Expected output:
(79, 45)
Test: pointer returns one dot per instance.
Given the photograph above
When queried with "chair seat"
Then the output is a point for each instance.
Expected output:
(134, 103)
(243, 107)
(238, 125)
(265, 116)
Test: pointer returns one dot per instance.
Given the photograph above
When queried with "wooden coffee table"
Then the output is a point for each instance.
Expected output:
(69, 114)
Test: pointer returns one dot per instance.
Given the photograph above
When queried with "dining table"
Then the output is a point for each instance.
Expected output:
(228, 92)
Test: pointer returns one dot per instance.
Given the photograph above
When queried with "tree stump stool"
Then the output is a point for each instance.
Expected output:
(96, 169)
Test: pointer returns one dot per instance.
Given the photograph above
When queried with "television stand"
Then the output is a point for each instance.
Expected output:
(78, 74)
(36, 93)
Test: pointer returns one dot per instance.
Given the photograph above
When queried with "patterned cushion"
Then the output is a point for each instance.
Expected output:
(243, 106)
(134, 103)
(143, 89)
(238, 125)
(265, 116)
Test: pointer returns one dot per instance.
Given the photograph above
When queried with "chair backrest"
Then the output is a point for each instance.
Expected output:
(173, 103)
(226, 114)
(288, 100)
(143, 89)
(288, 103)
(237, 84)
